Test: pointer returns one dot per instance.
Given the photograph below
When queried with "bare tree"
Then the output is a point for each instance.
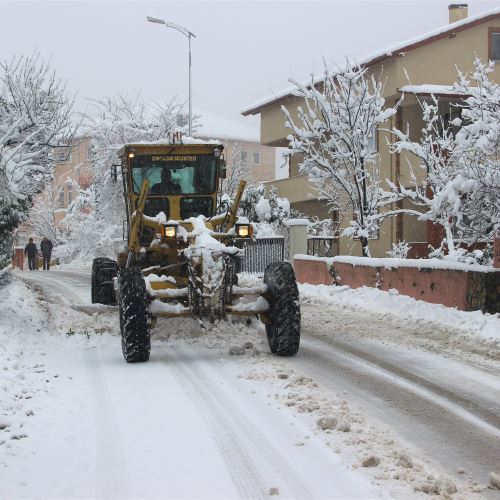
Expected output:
(114, 121)
(335, 134)
(42, 216)
(238, 170)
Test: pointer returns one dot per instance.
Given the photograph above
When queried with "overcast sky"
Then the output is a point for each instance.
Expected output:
(243, 51)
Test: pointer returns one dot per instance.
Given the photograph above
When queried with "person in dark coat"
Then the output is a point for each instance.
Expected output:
(30, 250)
(46, 247)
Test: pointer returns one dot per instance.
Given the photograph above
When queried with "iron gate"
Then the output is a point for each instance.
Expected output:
(259, 253)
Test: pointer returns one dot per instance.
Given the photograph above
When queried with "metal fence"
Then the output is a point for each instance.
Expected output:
(320, 246)
(259, 253)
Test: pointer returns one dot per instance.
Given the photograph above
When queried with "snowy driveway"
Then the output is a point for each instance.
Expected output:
(196, 422)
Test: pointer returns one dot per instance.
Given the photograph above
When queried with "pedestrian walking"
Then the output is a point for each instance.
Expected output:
(46, 247)
(30, 250)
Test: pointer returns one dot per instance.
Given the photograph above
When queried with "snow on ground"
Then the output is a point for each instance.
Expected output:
(79, 422)
(212, 403)
(473, 331)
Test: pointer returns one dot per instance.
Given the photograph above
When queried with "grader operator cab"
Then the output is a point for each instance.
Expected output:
(181, 251)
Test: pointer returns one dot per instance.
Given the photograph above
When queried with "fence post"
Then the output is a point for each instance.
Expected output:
(297, 237)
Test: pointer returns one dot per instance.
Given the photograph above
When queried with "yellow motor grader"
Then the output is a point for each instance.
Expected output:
(182, 248)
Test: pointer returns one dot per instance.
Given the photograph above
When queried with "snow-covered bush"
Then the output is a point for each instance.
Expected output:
(326, 228)
(399, 250)
(335, 135)
(257, 208)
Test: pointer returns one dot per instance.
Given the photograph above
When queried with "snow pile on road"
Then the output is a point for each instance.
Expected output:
(469, 327)
(400, 470)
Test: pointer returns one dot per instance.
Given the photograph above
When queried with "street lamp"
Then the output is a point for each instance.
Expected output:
(189, 35)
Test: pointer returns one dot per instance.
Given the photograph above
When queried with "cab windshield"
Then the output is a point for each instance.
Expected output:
(174, 174)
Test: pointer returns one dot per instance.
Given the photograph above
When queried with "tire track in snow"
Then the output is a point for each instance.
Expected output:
(467, 409)
(444, 430)
(244, 475)
(230, 422)
(54, 288)
(109, 452)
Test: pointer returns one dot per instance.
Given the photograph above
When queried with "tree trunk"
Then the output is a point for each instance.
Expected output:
(449, 239)
(364, 246)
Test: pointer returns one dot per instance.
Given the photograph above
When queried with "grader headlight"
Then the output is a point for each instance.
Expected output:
(169, 230)
(244, 230)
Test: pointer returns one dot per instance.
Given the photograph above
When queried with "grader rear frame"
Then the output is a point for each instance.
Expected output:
(179, 258)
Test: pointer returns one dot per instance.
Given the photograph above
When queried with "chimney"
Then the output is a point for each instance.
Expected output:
(457, 12)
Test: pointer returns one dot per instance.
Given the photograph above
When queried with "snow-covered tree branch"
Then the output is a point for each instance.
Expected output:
(336, 133)
(115, 121)
(35, 117)
(238, 171)
(460, 160)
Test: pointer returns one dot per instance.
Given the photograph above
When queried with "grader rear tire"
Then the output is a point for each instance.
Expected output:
(102, 288)
(135, 321)
(283, 325)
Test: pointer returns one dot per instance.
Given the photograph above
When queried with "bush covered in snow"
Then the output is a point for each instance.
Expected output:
(257, 208)
(399, 250)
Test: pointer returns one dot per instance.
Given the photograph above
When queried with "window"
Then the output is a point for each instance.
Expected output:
(89, 152)
(70, 193)
(373, 141)
(175, 174)
(61, 198)
(192, 207)
(256, 158)
(243, 156)
(494, 44)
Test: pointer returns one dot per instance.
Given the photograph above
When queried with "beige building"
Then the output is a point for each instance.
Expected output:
(71, 174)
(429, 60)
(239, 140)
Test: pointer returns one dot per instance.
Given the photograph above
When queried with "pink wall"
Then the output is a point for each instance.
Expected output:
(465, 290)
(438, 286)
(314, 272)
(18, 258)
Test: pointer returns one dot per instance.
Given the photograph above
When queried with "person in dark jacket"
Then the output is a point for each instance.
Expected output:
(46, 247)
(30, 250)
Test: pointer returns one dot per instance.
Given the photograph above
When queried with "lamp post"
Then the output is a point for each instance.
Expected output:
(189, 35)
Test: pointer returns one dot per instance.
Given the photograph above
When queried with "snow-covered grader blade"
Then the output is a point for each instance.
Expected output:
(180, 256)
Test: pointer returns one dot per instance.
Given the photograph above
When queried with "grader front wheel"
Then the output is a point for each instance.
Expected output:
(283, 318)
(135, 321)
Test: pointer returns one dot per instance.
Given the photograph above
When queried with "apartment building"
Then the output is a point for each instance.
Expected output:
(430, 62)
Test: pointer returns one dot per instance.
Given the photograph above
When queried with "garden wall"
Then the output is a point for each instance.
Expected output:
(452, 284)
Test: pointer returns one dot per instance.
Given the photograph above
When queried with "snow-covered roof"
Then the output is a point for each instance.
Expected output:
(382, 54)
(210, 125)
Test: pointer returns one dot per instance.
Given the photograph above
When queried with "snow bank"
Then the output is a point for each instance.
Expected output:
(473, 324)
(391, 263)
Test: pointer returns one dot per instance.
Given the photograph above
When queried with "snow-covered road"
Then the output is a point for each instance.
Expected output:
(447, 408)
(196, 422)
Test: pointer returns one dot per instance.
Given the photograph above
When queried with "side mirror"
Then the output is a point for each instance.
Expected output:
(114, 173)
(222, 168)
